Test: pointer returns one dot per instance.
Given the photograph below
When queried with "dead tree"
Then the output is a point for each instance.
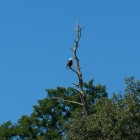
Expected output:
(77, 70)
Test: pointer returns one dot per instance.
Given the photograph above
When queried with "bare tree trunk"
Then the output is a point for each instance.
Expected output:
(79, 74)
(78, 71)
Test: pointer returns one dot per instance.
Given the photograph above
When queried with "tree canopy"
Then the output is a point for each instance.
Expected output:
(49, 116)
(117, 118)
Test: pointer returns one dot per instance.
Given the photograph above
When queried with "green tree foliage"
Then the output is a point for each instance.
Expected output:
(7, 131)
(117, 118)
(48, 117)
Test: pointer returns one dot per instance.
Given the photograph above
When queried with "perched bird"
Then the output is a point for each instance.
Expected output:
(69, 63)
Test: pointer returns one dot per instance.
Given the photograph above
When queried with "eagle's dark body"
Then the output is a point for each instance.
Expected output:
(69, 63)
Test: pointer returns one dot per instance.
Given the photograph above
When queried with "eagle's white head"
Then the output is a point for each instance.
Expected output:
(70, 59)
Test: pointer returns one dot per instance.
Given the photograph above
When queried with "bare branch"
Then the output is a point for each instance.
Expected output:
(84, 73)
(70, 48)
(67, 100)
(83, 28)
(75, 85)
(80, 92)
(76, 24)
(74, 70)
(76, 67)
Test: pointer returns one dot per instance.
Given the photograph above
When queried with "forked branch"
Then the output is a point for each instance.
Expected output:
(67, 100)
(74, 70)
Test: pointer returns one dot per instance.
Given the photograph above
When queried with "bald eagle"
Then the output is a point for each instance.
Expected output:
(69, 63)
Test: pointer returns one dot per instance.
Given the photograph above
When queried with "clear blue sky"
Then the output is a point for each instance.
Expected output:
(34, 40)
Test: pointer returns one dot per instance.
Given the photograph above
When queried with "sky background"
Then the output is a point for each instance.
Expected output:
(34, 40)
